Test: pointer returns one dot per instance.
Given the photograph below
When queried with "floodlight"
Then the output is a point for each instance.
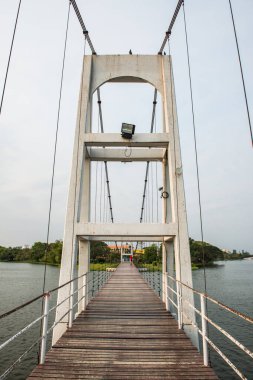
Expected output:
(127, 130)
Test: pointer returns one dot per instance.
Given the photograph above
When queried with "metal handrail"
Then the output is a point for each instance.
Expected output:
(101, 279)
(178, 301)
(213, 300)
(6, 314)
(204, 319)
(20, 332)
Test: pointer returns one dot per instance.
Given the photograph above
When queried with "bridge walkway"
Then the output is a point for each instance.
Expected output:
(125, 333)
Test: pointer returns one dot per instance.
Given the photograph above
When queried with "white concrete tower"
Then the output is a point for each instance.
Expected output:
(164, 147)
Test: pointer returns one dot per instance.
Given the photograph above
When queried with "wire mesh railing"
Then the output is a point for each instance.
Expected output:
(152, 274)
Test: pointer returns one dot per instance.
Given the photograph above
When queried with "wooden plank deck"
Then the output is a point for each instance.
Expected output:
(125, 333)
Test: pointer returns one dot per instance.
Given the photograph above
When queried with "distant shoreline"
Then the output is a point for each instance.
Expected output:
(29, 262)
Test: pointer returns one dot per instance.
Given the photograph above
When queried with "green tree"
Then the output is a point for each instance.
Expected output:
(208, 251)
(24, 254)
(99, 252)
(151, 254)
(38, 251)
(9, 254)
(54, 253)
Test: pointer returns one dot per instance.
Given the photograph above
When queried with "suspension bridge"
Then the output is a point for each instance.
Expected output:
(112, 324)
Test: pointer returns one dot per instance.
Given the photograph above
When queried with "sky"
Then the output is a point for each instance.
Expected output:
(28, 119)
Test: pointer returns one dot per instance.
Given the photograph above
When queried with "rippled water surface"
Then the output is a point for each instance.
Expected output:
(230, 282)
(20, 282)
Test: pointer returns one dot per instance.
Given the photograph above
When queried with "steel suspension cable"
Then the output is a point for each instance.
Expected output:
(147, 165)
(105, 162)
(242, 75)
(152, 192)
(95, 196)
(168, 32)
(144, 192)
(197, 167)
(85, 31)
(104, 201)
(176, 181)
(101, 191)
(156, 177)
(74, 241)
(96, 180)
(195, 145)
(53, 165)
(55, 148)
(10, 54)
(143, 204)
(148, 198)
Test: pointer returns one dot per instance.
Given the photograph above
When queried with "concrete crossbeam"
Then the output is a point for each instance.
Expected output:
(135, 154)
(138, 140)
(138, 231)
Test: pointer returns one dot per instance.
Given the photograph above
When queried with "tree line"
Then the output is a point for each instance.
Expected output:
(100, 253)
(38, 253)
(51, 253)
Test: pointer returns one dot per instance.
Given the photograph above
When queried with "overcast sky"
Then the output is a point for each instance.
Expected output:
(28, 119)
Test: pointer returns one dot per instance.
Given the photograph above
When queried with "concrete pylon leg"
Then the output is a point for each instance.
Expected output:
(177, 197)
(75, 199)
(69, 265)
(168, 258)
(83, 267)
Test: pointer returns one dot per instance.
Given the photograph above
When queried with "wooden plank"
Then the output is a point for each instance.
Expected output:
(125, 333)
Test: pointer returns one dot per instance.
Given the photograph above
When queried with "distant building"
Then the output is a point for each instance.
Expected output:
(126, 250)
(234, 251)
(114, 247)
(226, 251)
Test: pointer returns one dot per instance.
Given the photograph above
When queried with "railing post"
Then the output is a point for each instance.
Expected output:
(71, 303)
(204, 329)
(43, 344)
(88, 288)
(166, 291)
(92, 286)
(158, 277)
(98, 284)
(84, 291)
(179, 305)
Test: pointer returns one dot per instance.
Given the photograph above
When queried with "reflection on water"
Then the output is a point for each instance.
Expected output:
(230, 282)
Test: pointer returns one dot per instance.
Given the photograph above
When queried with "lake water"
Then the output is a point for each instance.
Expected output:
(230, 282)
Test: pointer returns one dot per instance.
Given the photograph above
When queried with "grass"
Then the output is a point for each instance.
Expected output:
(98, 266)
(151, 267)
(158, 267)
